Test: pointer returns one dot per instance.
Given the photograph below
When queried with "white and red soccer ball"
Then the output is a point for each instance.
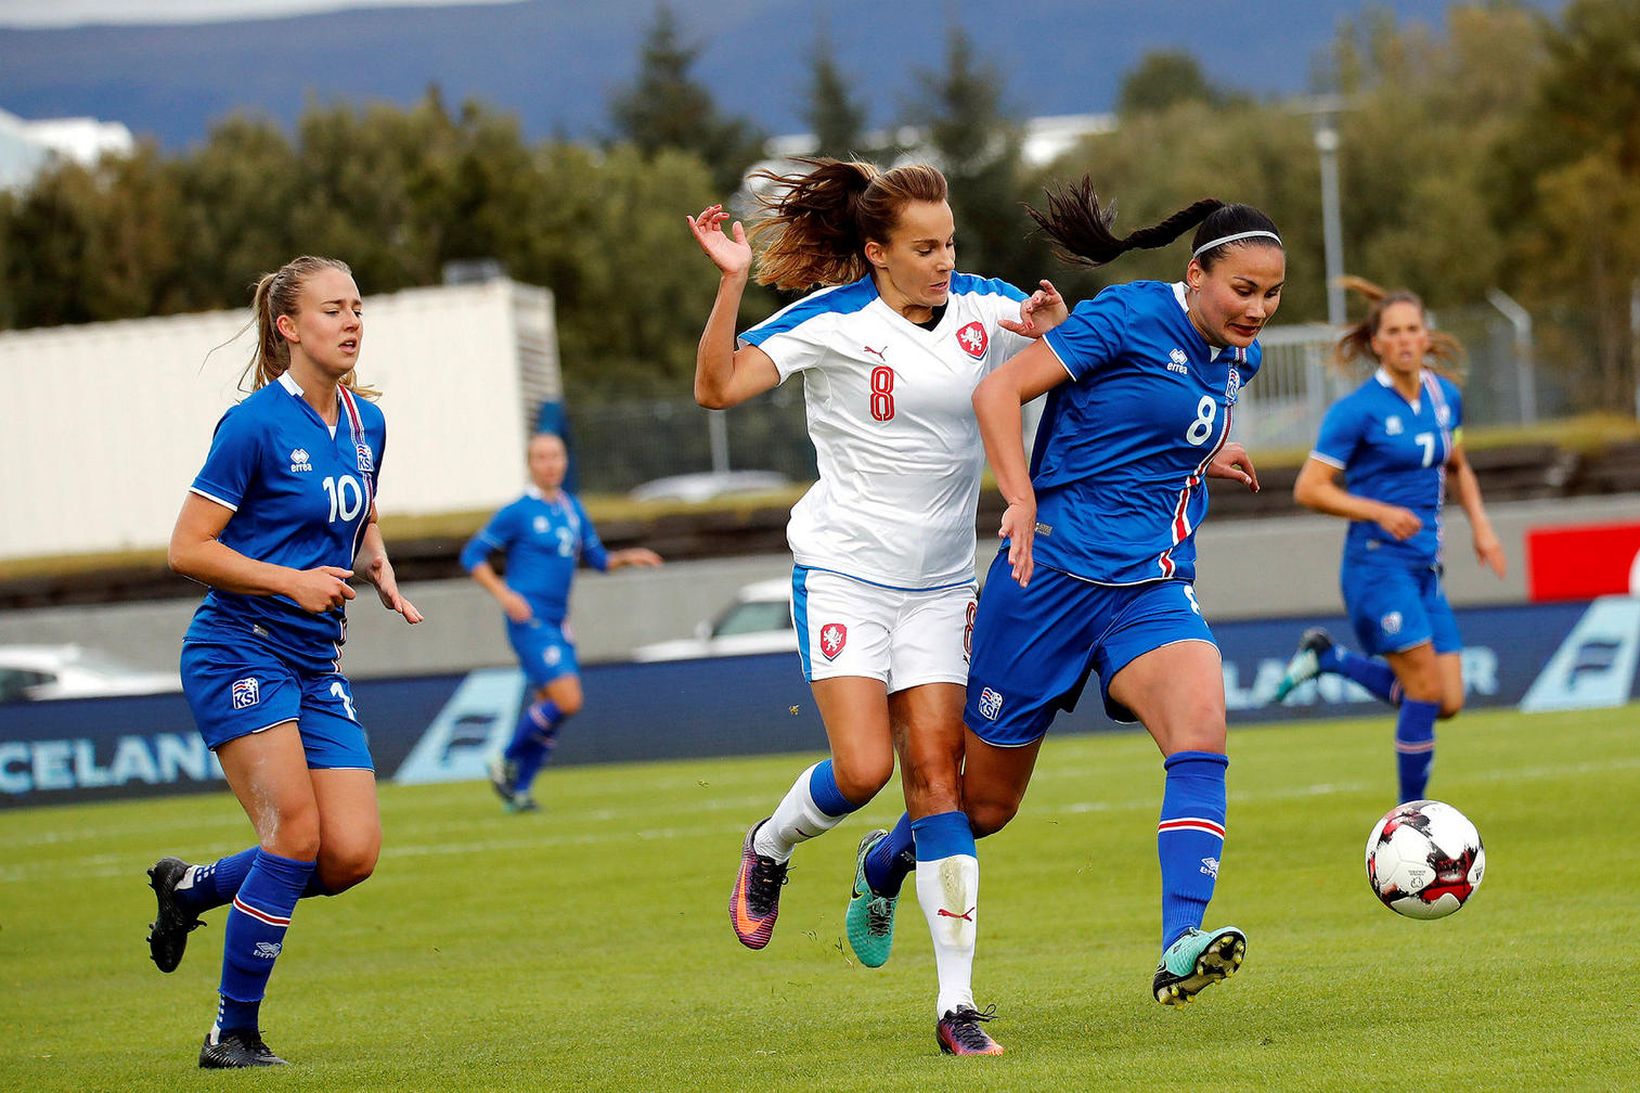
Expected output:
(1424, 859)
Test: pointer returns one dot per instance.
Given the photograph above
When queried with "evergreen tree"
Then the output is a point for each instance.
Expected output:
(837, 118)
(1163, 78)
(974, 141)
(665, 107)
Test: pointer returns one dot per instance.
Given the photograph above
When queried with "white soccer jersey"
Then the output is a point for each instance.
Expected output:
(890, 413)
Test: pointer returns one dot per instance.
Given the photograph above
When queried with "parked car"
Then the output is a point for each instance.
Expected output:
(758, 621)
(73, 671)
(707, 485)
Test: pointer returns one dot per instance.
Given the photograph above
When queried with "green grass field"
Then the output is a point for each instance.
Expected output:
(588, 946)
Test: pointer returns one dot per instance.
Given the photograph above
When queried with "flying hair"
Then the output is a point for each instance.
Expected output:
(1080, 227)
(812, 226)
(1446, 353)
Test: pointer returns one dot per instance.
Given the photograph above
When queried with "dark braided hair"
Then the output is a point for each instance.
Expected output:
(1079, 226)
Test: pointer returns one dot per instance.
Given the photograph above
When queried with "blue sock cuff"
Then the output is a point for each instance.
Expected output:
(291, 875)
(944, 835)
(1179, 757)
(823, 788)
(1417, 720)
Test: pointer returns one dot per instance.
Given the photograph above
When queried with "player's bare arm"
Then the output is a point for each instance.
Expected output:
(726, 376)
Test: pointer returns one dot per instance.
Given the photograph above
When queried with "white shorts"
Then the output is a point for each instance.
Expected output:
(904, 637)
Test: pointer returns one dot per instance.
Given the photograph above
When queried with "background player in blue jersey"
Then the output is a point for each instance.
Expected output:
(889, 352)
(543, 536)
(1100, 538)
(1381, 462)
(282, 513)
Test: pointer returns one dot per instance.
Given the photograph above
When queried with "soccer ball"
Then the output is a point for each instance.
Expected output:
(1424, 859)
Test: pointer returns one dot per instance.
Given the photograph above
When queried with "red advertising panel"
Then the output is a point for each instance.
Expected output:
(1581, 562)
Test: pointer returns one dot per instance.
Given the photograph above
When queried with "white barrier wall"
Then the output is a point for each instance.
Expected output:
(103, 426)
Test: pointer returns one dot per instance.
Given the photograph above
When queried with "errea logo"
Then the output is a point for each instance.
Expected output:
(1178, 361)
(299, 460)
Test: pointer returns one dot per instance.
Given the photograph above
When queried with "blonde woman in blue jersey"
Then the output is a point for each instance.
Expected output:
(1382, 462)
(1099, 555)
(544, 536)
(280, 516)
(883, 590)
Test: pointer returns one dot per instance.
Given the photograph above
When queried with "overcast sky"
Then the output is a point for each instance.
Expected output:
(62, 13)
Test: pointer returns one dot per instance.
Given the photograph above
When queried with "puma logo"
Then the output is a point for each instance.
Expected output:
(878, 353)
(966, 916)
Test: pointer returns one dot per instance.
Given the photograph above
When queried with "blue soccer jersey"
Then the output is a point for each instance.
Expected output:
(1122, 450)
(1393, 451)
(543, 540)
(300, 496)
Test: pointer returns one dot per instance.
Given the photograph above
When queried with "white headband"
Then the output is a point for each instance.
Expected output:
(1223, 239)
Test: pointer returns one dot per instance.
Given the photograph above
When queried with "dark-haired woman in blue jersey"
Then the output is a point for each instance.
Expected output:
(281, 514)
(1096, 571)
(1382, 462)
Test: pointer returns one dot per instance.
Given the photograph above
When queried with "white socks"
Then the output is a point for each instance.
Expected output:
(948, 890)
(796, 819)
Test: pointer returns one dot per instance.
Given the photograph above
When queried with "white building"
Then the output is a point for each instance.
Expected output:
(28, 146)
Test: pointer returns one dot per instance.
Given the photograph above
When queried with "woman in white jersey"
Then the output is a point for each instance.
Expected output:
(883, 587)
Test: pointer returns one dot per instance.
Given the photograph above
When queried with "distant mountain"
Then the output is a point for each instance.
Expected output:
(555, 62)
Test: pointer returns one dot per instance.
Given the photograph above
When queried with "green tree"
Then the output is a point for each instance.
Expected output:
(1163, 78)
(1571, 199)
(837, 118)
(665, 107)
(976, 142)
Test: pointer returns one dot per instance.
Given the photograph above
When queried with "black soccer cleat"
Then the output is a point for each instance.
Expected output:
(168, 933)
(236, 1050)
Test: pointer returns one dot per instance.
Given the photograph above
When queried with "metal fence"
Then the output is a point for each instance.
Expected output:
(621, 445)
(1502, 385)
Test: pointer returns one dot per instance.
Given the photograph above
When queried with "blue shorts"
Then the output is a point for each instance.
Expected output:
(1034, 647)
(238, 688)
(544, 651)
(1396, 608)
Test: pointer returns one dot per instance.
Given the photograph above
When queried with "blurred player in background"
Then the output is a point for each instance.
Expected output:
(1097, 569)
(883, 587)
(543, 536)
(1381, 462)
(282, 513)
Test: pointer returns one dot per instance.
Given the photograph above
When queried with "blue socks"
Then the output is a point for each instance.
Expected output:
(256, 934)
(1190, 838)
(215, 885)
(1373, 674)
(943, 835)
(1415, 746)
(892, 859)
(533, 740)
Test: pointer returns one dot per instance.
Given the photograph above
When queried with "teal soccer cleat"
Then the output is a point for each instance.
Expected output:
(1196, 961)
(1305, 665)
(870, 917)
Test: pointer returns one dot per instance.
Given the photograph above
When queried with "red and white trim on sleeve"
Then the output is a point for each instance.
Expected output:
(1191, 823)
(1181, 519)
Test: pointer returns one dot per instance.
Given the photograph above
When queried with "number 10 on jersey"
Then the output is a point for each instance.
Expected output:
(346, 497)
